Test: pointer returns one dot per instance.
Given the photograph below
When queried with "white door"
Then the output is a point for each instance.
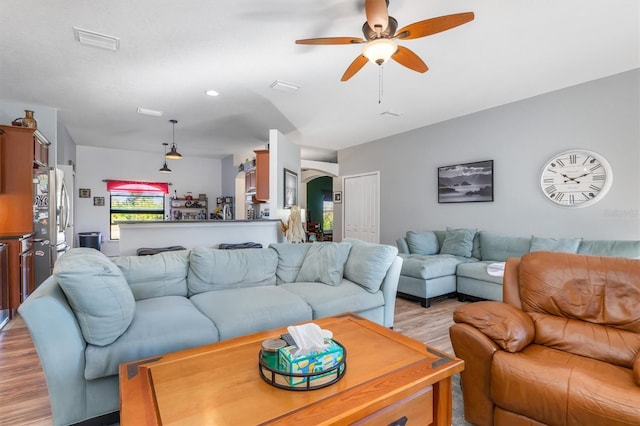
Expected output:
(361, 204)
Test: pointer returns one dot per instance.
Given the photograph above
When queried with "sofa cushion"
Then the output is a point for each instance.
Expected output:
(612, 248)
(162, 274)
(499, 247)
(160, 325)
(564, 245)
(428, 267)
(328, 300)
(290, 258)
(458, 242)
(97, 292)
(241, 311)
(324, 262)
(214, 269)
(368, 263)
(477, 271)
(422, 242)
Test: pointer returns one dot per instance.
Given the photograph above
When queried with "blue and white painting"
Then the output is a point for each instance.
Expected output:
(465, 183)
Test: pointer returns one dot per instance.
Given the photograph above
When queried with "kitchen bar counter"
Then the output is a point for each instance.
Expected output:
(193, 233)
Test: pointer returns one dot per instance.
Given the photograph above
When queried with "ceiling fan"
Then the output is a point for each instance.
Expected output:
(380, 32)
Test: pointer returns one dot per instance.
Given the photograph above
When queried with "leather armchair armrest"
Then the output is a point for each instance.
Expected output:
(636, 369)
(509, 327)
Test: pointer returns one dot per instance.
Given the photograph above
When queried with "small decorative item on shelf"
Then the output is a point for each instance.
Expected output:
(27, 121)
(188, 196)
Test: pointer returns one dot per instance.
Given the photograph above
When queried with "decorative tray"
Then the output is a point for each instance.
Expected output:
(303, 381)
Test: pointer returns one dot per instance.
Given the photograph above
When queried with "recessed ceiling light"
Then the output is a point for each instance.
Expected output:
(92, 38)
(211, 93)
(146, 111)
(285, 86)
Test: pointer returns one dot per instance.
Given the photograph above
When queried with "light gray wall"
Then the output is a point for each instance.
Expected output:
(66, 147)
(602, 116)
(228, 177)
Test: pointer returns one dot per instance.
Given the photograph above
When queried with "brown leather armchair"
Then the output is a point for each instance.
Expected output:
(563, 348)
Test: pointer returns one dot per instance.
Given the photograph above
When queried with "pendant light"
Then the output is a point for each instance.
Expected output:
(165, 168)
(173, 153)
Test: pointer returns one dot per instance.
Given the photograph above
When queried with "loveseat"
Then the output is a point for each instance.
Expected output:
(94, 313)
(469, 263)
(562, 349)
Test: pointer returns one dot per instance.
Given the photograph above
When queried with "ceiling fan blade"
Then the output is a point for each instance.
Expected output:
(355, 66)
(377, 14)
(331, 40)
(406, 57)
(433, 25)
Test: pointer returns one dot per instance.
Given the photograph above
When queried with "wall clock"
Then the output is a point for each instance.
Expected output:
(576, 178)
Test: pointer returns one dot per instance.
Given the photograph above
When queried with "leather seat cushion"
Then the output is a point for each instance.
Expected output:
(555, 387)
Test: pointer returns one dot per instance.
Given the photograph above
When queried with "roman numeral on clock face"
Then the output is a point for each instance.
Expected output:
(595, 188)
(559, 161)
(573, 159)
(598, 177)
(596, 167)
(550, 189)
(548, 180)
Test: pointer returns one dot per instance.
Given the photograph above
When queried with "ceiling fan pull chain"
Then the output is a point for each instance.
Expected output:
(380, 85)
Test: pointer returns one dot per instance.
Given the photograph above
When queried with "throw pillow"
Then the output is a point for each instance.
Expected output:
(368, 263)
(425, 243)
(564, 245)
(324, 263)
(458, 242)
(97, 293)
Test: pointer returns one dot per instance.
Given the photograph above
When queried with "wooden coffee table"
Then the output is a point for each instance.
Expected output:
(389, 378)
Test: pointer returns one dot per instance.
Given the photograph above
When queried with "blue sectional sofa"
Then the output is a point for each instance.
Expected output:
(458, 261)
(95, 313)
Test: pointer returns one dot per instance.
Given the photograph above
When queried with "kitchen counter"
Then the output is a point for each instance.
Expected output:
(193, 233)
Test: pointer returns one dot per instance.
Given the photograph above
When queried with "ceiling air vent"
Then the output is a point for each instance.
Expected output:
(91, 38)
(284, 86)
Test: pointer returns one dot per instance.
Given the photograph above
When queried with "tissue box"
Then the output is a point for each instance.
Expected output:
(315, 362)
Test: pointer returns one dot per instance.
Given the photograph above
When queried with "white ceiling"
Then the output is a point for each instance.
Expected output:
(172, 51)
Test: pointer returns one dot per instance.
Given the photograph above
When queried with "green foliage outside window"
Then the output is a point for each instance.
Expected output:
(136, 207)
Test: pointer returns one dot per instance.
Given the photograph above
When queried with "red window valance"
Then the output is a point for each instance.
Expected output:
(137, 186)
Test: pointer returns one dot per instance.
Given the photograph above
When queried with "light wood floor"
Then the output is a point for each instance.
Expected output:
(23, 392)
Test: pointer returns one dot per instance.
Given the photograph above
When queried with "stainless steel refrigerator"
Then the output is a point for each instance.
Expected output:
(51, 217)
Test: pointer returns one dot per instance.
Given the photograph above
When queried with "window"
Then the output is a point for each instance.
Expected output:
(134, 201)
(327, 212)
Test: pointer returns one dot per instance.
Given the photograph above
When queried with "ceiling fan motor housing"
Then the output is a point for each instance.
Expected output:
(390, 31)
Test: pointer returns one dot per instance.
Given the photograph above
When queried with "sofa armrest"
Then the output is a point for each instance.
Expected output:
(61, 346)
(403, 246)
(510, 328)
(390, 289)
(636, 369)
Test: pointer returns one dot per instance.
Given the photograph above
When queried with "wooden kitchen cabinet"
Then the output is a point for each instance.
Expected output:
(250, 181)
(20, 262)
(262, 175)
(40, 149)
(16, 193)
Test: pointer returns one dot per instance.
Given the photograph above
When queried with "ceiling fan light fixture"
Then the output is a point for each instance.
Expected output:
(173, 153)
(379, 50)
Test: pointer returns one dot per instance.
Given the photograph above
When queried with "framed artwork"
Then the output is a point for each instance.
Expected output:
(466, 183)
(84, 193)
(98, 201)
(290, 188)
(337, 197)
